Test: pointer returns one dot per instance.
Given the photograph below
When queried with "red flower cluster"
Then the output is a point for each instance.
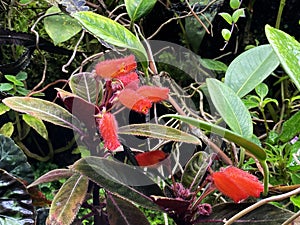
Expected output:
(127, 91)
(237, 184)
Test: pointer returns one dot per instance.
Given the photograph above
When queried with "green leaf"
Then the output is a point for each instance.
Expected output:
(86, 86)
(60, 27)
(44, 110)
(15, 201)
(194, 170)
(159, 131)
(237, 14)
(230, 107)
(227, 17)
(37, 124)
(68, 200)
(250, 68)
(14, 80)
(21, 76)
(234, 4)
(118, 178)
(212, 64)
(6, 87)
(250, 146)
(7, 129)
(3, 109)
(289, 130)
(295, 200)
(226, 34)
(262, 90)
(112, 32)
(136, 9)
(123, 212)
(288, 52)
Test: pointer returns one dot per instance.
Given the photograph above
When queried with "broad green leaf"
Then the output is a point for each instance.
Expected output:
(288, 52)
(237, 14)
(6, 87)
(123, 212)
(230, 107)
(3, 108)
(250, 68)
(262, 90)
(14, 80)
(226, 34)
(68, 200)
(44, 110)
(227, 17)
(112, 32)
(118, 178)
(295, 200)
(13, 160)
(136, 9)
(160, 132)
(37, 124)
(7, 129)
(52, 175)
(234, 4)
(15, 202)
(289, 128)
(86, 86)
(194, 170)
(60, 27)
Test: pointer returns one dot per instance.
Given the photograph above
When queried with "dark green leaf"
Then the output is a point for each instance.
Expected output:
(289, 130)
(214, 65)
(21, 76)
(136, 9)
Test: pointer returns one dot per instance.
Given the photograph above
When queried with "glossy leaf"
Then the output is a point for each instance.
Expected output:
(287, 49)
(262, 90)
(111, 32)
(289, 130)
(250, 68)
(15, 202)
(119, 178)
(237, 14)
(60, 27)
(44, 110)
(227, 17)
(37, 124)
(52, 175)
(86, 86)
(160, 132)
(136, 9)
(14, 80)
(13, 160)
(68, 200)
(226, 34)
(194, 170)
(7, 129)
(230, 107)
(123, 212)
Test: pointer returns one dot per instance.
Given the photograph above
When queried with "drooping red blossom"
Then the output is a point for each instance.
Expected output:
(237, 184)
(109, 69)
(130, 80)
(132, 100)
(154, 94)
(150, 158)
(109, 131)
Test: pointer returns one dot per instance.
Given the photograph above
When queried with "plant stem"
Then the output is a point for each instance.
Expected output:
(279, 14)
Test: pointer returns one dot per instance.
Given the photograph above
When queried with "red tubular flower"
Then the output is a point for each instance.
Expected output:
(109, 69)
(132, 100)
(150, 158)
(109, 131)
(237, 184)
(154, 94)
(130, 80)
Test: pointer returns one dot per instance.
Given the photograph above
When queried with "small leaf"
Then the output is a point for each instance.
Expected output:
(262, 90)
(295, 200)
(7, 129)
(227, 17)
(230, 107)
(289, 130)
(112, 32)
(234, 4)
(14, 80)
(160, 132)
(288, 52)
(250, 68)
(3, 109)
(21, 76)
(61, 27)
(123, 212)
(226, 34)
(37, 124)
(136, 9)
(237, 14)
(68, 200)
(6, 87)
(213, 65)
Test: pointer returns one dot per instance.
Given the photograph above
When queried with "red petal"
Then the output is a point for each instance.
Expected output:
(116, 67)
(154, 94)
(237, 184)
(130, 79)
(150, 158)
(108, 128)
(132, 100)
